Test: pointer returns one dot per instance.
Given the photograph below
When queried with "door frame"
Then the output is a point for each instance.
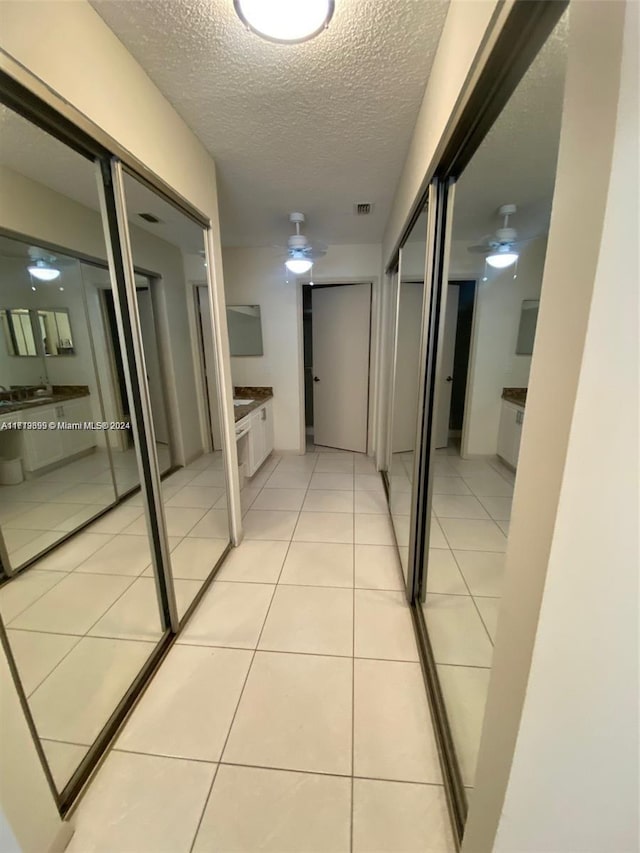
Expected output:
(461, 279)
(338, 281)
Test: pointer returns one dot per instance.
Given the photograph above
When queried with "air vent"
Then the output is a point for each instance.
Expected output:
(363, 209)
(149, 217)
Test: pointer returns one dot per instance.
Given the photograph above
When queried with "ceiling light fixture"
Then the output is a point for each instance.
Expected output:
(502, 258)
(298, 266)
(285, 21)
(43, 271)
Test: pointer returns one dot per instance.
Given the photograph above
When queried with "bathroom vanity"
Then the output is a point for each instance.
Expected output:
(254, 427)
(510, 429)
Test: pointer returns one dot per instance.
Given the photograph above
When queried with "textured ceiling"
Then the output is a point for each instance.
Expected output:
(315, 127)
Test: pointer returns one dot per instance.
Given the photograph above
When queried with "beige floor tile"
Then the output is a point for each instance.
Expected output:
(399, 817)
(324, 527)
(276, 811)
(214, 525)
(364, 464)
(399, 502)
(194, 559)
(254, 561)
(230, 614)
(134, 616)
(334, 463)
(466, 534)
(336, 500)
(319, 564)
(44, 516)
(196, 496)
(311, 619)
(436, 536)
(392, 728)
(505, 526)
(373, 530)
(458, 506)
(368, 483)
(37, 654)
(282, 499)
(25, 589)
(269, 524)
(443, 574)
(465, 691)
(121, 555)
(211, 478)
(498, 508)
(63, 759)
(117, 519)
(482, 570)
(489, 485)
(330, 482)
(74, 551)
(371, 502)
(295, 713)
(450, 486)
(164, 799)
(76, 700)
(288, 479)
(456, 631)
(73, 605)
(187, 709)
(489, 610)
(377, 567)
(383, 626)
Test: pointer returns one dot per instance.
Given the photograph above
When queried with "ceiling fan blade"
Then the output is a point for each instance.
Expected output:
(480, 250)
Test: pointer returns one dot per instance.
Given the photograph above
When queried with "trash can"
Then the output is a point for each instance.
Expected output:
(11, 471)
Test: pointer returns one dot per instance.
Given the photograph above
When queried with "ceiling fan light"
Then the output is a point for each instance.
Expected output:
(298, 266)
(42, 271)
(285, 20)
(501, 260)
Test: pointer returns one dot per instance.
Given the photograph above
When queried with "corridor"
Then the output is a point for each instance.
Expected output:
(291, 714)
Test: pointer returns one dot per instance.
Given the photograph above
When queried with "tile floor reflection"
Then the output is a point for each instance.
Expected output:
(83, 619)
(291, 713)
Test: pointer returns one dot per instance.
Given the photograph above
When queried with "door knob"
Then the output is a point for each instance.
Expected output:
(449, 378)
(315, 379)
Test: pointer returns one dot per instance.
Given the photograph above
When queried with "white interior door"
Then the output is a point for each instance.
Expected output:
(152, 362)
(445, 374)
(209, 365)
(340, 322)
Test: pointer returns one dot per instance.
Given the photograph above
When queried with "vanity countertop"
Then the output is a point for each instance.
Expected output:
(515, 395)
(258, 395)
(59, 394)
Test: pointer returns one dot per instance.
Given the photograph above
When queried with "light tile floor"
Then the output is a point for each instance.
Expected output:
(83, 619)
(291, 715)
(36, 513)
(471, 508)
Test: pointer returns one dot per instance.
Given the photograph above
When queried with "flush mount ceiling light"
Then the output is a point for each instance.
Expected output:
(43, 271)
(285, 21)
(298, 266)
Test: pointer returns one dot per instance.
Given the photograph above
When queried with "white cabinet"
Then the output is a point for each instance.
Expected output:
(510, 432)
(40, 448)
(255, 438)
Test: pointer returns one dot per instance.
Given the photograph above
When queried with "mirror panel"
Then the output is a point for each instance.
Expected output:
(406, 382)
(527, 327)
(78, 598)
(245, 330)
(180, 365)
(17, 330)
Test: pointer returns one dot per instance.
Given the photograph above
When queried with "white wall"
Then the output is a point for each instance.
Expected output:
(558, 761)
(257, 277)
(493, 363)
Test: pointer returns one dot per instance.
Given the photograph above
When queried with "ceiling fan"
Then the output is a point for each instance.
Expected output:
(301, 253)
(499, 248)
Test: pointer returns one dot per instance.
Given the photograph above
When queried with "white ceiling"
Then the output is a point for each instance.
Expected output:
(315, 127)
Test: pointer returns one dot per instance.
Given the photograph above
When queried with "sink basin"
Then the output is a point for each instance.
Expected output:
(242, 402)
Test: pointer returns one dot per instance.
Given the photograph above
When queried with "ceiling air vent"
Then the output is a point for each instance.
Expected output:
(363, 209)
(149, 217)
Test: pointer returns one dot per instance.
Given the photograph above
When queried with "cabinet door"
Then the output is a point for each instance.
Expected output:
(43, 446)
(506, 433)
(76, 440)
(517, 436)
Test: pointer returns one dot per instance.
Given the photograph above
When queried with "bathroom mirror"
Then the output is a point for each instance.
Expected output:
(17, 330)
(55, 329)
(245, 329)
(527, 328)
